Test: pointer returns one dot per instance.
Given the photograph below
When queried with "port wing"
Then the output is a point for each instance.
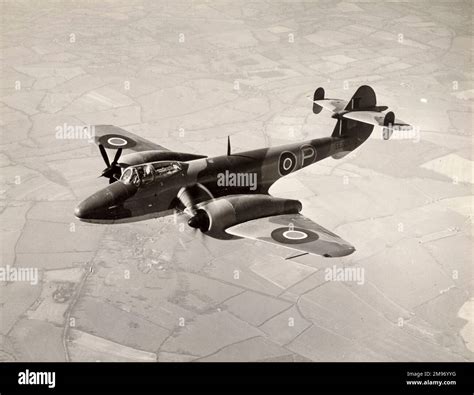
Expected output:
(296, 232)
(113, 137)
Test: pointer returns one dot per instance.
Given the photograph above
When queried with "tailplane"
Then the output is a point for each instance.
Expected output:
(357, 117)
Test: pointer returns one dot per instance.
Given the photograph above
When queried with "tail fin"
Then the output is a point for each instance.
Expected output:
(357, 132)
(363, 99)
(318, 95)
(388, 123)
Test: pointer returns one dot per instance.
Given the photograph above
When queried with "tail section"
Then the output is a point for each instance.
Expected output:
(364, 99)
(357, 117)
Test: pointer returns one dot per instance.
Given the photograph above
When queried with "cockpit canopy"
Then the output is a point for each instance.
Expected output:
(148, 172)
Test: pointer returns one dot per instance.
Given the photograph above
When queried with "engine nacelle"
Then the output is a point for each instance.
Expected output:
(215, 216)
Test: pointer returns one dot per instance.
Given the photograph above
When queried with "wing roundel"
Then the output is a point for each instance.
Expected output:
(113, 137)
(116, 141)
(296, 232)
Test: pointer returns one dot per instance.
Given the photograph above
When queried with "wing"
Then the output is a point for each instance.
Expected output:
(296, 232)
(113, 137)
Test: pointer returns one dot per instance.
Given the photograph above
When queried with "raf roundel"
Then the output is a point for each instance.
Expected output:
(287, 163)
(116, 141)
(293, 235)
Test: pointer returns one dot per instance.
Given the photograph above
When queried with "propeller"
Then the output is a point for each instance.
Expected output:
(193, 219)
(113, 170)
(198, 218)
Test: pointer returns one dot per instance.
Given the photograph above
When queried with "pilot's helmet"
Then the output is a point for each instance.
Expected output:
(149, 169)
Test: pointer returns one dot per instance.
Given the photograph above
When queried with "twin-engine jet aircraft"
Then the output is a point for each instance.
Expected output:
(227, 196)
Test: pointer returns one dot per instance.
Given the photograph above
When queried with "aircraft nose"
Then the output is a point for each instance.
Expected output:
(102, 204)
(92, 207)
(84, 210)
(80, 211)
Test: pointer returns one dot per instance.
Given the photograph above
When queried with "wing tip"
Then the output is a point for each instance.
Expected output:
(339, 254)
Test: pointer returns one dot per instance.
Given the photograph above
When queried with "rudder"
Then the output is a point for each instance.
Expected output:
(318, 95)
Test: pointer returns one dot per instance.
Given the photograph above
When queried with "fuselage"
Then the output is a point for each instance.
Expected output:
(250, 172)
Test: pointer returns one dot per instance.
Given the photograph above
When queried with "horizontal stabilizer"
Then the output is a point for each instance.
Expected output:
(333, 105)
(369, 117)
(387, 121)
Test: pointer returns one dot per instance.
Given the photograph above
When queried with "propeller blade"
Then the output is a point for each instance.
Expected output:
(113, 170)
(107, 172)
(104, 155)
(203, 239)
(117, 156)
(186, 199)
